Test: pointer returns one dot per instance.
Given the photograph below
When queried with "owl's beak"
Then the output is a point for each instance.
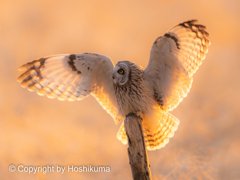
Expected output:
(114, 79)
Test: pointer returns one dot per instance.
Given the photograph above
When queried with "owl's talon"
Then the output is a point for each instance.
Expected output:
(140, 115)
(137, 114)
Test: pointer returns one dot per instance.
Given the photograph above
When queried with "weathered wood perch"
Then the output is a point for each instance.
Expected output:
(137, 152)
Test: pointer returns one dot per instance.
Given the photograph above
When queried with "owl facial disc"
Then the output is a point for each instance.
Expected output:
(121, 73)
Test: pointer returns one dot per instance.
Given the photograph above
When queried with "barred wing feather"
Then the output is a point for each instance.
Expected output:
(174, 58)
(72, 77)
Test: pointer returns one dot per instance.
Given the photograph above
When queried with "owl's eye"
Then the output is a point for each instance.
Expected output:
(121, 71)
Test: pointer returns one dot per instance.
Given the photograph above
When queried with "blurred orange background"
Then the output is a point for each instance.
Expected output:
(38, 131)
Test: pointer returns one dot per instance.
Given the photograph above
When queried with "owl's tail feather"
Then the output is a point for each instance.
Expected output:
(157, 131)
(121, 135)
(164, 128)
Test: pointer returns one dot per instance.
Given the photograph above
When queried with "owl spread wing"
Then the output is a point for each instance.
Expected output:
(174, 58)
(73, 77)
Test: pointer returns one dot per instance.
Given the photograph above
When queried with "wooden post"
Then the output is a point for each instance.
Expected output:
(137, 152)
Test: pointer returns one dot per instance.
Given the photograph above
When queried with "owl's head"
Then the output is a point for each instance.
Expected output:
(124, 71)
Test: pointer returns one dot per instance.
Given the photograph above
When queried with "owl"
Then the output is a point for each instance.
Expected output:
(128, 88)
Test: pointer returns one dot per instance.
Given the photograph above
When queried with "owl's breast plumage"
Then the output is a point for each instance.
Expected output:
(134, 97)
